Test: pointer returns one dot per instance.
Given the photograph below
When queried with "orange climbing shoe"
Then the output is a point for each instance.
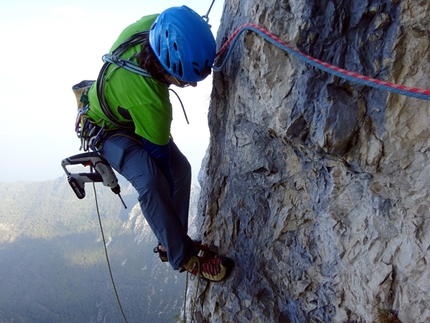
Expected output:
(210, 268)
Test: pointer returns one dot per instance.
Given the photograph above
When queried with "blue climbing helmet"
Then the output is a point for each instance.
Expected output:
(183, 43)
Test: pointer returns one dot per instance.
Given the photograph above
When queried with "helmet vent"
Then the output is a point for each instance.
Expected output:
(174, 42)
(202, 72)
(196, 70)
(181, 70)
(167, 59)
(159, 48)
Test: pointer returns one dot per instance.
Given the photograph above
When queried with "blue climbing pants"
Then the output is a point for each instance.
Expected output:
(167, 216)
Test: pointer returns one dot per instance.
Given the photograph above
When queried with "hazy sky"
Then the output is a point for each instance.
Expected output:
(50, 45)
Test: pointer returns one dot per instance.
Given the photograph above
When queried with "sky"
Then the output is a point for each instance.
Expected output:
(50, 45)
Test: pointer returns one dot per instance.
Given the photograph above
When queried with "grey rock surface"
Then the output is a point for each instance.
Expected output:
(318, 187)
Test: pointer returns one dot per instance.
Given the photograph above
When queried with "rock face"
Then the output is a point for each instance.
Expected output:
(318, 187)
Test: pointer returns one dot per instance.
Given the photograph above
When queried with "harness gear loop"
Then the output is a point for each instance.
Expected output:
(86, 129)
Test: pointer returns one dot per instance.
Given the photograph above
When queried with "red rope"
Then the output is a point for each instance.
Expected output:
(362, 79)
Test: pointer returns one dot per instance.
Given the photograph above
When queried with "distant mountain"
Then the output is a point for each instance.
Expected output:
(52, 262)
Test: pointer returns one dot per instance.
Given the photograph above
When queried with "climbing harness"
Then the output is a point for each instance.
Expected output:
(87, 130)
(331, 69)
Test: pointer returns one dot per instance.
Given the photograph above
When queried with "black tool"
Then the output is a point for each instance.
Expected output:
(100, 171)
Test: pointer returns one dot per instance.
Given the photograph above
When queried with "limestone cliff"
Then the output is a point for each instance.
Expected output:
(316, 186)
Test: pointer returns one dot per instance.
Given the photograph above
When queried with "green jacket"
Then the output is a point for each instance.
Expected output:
(145, 99)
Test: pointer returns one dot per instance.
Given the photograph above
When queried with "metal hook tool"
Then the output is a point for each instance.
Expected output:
(206, 16)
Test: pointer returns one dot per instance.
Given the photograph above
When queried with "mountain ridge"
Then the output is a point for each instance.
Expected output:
(53, 267)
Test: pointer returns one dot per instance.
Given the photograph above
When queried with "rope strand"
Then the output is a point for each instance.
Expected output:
(193, 262)
(107, 256)
(328, 68)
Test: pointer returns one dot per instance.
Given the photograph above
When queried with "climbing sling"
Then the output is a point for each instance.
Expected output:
(128, 64)
(86, 129)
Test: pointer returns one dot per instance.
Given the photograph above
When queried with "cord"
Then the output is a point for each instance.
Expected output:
(182, 105)
(107, 256)
(328, 68)
(193, 262)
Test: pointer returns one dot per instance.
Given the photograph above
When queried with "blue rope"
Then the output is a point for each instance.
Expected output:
(126, 64)
(315, 63)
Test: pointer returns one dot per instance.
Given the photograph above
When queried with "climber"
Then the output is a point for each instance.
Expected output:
(178, 49)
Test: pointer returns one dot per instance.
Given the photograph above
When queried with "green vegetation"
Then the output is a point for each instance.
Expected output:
(53, 266)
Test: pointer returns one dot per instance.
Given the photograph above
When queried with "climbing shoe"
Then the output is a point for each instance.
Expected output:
(204, 250)
(213, 269)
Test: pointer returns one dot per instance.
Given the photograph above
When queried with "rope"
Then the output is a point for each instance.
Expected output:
(182, 105)
(195, 263)
(126, 64)
(107, 256)
(328, 68)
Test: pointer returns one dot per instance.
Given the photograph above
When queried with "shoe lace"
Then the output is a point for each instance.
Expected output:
(211, 266)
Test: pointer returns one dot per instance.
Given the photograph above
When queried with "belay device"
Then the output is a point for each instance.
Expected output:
(100, 171)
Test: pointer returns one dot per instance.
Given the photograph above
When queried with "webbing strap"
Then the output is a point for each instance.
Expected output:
(115, 58)
(104, 105)
(126, 64)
